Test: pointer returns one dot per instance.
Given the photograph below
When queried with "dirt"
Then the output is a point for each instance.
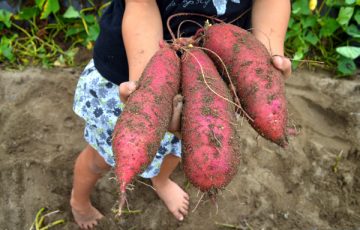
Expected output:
(313, 184)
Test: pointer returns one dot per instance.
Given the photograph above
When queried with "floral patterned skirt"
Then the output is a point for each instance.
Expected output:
(97, 102)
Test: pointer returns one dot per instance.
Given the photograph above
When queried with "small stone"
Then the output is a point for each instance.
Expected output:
(68, 122)
(59, 148)
(286, 215)
(19, 81)
(272, 216)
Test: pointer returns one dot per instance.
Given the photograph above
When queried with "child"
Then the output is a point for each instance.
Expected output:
(129, 36)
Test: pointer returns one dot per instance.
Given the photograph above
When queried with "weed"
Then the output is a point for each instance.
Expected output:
(39, 221)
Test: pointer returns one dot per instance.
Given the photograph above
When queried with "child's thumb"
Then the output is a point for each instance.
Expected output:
(125, 89)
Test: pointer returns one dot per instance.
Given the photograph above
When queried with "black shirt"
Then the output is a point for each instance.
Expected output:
(109, 51)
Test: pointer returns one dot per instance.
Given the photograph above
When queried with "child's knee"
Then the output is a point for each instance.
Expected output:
(97, 168)
(171, 158)
(97, 163)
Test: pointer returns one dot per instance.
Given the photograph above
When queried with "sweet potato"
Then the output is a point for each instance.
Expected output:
(210, 142)
(259, 85)
(145, 119)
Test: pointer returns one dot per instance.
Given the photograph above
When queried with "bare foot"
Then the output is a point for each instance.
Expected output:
(85, 216)
(175, 199)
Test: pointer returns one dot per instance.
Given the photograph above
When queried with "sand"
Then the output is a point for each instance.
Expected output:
(313, 184)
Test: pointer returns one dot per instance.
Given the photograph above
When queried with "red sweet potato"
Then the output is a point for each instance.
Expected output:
(145, 119)
(259, 85)
(209, 139)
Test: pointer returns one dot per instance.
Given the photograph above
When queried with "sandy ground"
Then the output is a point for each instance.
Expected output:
(313, 184)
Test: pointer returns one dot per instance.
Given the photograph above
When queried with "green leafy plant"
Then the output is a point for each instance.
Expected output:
(47, 33)
(325, 34)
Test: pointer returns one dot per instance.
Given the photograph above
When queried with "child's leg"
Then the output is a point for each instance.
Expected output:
(89, 167)
(176, 199)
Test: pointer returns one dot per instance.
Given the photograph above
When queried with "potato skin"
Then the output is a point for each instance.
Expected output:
(145, 119)
(259, 85)
(210, 141)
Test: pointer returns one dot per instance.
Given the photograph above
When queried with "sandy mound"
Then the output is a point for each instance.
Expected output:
(314, 184)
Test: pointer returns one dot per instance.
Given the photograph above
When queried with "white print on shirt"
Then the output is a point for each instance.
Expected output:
(187, 3)
(220, 5)
(171, 4)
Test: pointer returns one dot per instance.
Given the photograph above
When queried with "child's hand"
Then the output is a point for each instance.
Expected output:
(283, 64)
(127, 88)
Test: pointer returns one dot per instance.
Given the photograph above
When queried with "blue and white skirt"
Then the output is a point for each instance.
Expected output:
(97, 101)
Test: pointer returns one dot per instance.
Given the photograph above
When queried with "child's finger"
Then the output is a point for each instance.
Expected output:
(125, 89)
(176, 116)
(283, 64)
